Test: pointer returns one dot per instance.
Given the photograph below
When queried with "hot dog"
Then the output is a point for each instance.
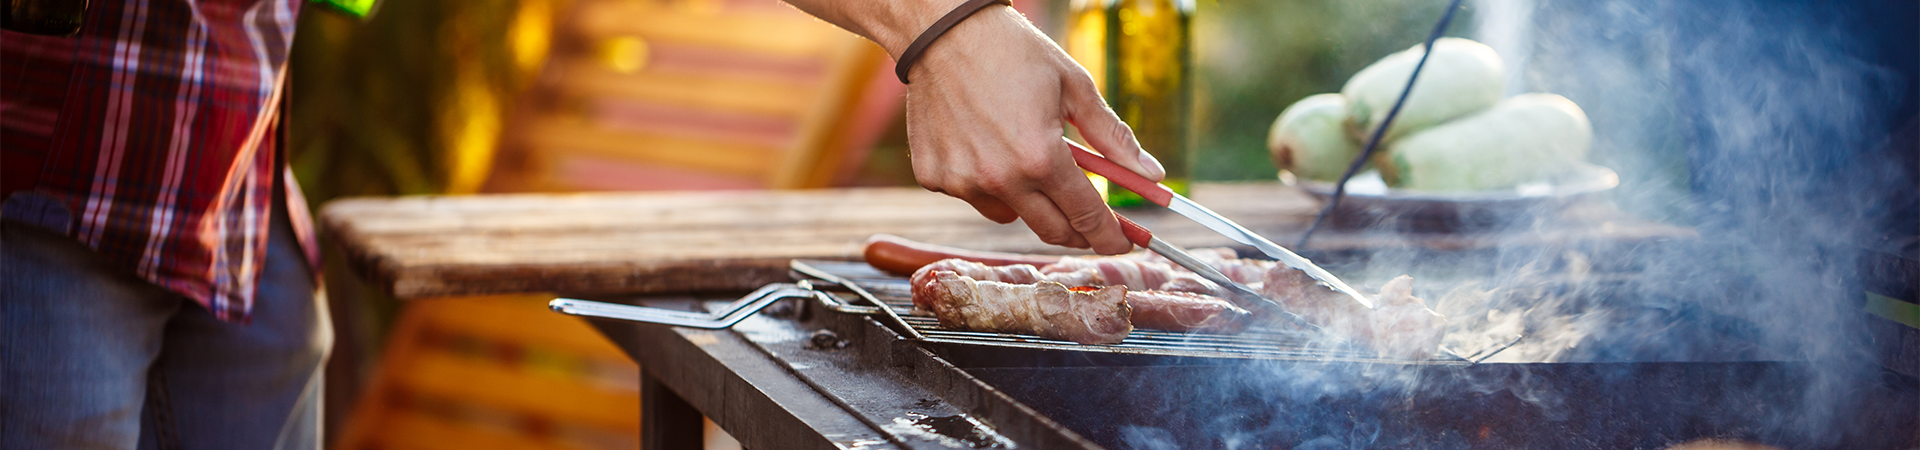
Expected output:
(903, 256)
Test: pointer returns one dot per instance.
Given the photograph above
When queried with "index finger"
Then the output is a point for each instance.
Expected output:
(1085, 210)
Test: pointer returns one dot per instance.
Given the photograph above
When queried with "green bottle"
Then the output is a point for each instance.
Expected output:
(356, 8)
(1149, 83)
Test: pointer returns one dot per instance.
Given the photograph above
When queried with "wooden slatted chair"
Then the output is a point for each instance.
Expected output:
(499, 372)
(699, 94)
(636, 95)
(496, 372)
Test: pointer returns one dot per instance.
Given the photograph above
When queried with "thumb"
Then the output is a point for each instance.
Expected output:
(1104, 131)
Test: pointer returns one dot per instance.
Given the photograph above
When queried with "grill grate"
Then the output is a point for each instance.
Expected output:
(1258, 343)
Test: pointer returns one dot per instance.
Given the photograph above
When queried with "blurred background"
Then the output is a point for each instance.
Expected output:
(465, 96)
(444, 97)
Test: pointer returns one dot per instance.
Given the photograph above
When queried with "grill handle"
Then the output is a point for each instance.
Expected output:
(726, 317)
(893, 319)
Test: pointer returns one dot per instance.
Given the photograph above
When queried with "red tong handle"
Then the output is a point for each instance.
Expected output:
(1157, 193)
(1153, 192)
(1137, 234)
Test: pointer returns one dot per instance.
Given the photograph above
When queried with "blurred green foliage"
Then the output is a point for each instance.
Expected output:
(408, 101)
(1255, 57)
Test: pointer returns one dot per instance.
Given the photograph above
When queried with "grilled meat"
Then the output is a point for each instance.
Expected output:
(1136, 272)
(1012, 273)
(1186, 311)
(1401, 326)
(1046, 309)
(1165, 310)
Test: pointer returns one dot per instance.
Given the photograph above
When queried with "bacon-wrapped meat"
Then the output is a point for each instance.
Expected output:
(1165, 310)
(1186, 311)
(1240, 270)
(903, 256)
(1046, 309)
(1012, 273)
(1190, 283)
(1135, 272)
(1400, 326)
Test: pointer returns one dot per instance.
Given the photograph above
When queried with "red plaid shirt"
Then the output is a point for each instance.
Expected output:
(150, 137)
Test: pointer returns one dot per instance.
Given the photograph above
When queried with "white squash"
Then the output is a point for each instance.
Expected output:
(1462, 77)
(1310, 138)
(1530, 137)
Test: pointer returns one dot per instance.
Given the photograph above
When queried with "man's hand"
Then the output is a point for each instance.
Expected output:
(984, 118)
(985, 113)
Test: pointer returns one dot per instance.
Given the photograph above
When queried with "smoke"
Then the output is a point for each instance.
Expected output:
(1757, 124)
(1763, 127)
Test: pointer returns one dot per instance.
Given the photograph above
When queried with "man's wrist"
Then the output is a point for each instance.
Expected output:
(899, 22)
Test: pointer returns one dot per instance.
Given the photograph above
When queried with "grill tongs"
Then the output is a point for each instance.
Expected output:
(1238, 293)
(1159, 194)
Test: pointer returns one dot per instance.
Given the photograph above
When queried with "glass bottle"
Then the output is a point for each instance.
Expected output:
(1087, 37)
(1149, 83)
(359, 9)
(1087, 43)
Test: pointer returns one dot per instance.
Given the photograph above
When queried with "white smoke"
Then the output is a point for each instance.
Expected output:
(1755, 124)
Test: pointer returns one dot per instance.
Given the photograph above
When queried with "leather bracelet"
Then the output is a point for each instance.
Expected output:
(934, 31)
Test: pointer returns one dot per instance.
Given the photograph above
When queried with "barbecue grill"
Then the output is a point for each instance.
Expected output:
(853, 375)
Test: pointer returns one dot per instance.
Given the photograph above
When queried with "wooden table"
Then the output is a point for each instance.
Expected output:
(626, 243)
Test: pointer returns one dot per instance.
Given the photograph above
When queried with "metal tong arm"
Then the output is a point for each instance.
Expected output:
(1159, 194)
(726, 317)
(1241, 295)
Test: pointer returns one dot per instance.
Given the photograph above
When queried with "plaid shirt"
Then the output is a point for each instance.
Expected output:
(151, 137)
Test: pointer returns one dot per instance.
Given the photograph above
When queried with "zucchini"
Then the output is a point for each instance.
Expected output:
(1462, 77)
(1527, 138)
(1310, 138)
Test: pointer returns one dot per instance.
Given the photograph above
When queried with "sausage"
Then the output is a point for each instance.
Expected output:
(902, 256)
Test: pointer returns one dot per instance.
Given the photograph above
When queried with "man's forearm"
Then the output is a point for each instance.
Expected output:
(891, 23)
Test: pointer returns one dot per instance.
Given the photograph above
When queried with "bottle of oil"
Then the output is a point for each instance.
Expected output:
(1149, 83)
(1087, 43)
(1087, 37)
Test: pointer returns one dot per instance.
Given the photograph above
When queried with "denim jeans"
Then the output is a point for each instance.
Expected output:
(93, 357)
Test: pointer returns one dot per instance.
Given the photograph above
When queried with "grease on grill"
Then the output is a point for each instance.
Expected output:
(955, 431)
(826, 340)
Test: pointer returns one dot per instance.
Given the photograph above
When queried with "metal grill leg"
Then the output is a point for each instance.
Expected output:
(667, 422)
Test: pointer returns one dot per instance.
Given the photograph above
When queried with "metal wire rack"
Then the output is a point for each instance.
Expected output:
(1277, 342)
